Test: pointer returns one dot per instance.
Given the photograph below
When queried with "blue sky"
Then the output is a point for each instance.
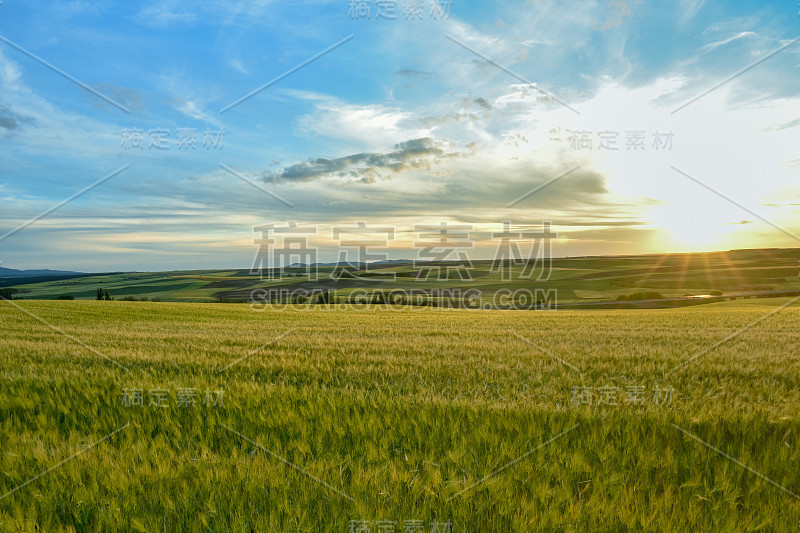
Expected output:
(400, 125)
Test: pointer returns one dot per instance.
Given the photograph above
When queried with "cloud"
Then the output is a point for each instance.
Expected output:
(9, 120)
(689, 9)
(534, 42)
(373, 126)
(160, 14)
(411, 73)
(130, 98)
(9, 73)
(367, 167)
(619, 10)
(164, 15)
(717, 44)
(483, 103)
(785, 125)
(185, 98)
(58, 132)
(77, 8)
(237, 65)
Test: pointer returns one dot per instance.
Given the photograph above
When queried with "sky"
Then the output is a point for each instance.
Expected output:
(160, 135)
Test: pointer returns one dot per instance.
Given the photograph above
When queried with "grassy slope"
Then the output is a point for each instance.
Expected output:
(588, 278)
(400, 412)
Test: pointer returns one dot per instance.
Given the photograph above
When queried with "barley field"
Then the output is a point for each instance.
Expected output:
(139, 416)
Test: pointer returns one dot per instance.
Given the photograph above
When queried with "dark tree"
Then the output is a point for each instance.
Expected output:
(7, 294)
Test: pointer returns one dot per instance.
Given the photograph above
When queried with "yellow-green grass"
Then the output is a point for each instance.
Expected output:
(590, 278)
(378, 414)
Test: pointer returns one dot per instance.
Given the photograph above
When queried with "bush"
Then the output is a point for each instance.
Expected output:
(379, 298)
(323, 298)
(8, 294)
(715, 293)
(640, 296)
(65, 297)
(221, 300)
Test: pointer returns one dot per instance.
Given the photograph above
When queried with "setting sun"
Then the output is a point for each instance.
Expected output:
(693, 223)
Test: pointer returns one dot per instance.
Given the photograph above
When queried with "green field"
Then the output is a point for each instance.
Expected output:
(578, 279)
(486, 420)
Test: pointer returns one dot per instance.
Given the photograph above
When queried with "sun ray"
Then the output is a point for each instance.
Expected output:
(684, 270)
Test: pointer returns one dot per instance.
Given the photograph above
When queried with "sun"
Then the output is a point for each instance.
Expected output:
(692, 224)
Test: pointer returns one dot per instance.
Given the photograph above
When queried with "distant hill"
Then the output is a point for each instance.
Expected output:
(10, 277)
(390, 262)
(576, 280)
(14, 273)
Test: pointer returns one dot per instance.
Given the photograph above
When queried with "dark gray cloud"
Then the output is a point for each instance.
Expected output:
(414, 154)
(483, 103)
(786, 125)
(407, 72)
(130, 98)
(473, 110)
(9, 120)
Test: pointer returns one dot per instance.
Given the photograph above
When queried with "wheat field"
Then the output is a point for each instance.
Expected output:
(154, 417)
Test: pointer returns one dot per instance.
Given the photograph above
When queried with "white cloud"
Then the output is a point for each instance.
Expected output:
(50, 130)
(689, 9)
(187, 99)
(237, 64)
(164, 15)
(168, 13)
(9, 73)
(370, 127)
(717, 44)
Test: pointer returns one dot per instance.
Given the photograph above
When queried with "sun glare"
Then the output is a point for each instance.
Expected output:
(699, 227)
